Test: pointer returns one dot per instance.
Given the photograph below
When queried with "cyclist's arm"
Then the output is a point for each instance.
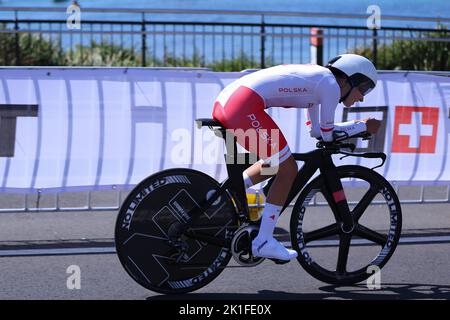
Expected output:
(351, 127)
(329, 97)
(312, 121)
(328, 94)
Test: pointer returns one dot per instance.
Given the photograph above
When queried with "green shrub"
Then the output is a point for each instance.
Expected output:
(412, 54)
(241, 63)
(33, 50)
(101, 54)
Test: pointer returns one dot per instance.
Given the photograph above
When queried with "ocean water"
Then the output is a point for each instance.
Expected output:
(416, 8)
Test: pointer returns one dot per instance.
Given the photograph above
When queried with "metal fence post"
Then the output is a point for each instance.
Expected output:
(316, 43)
(374, 46)
(17, 39)
(263, 44)
(144, 42)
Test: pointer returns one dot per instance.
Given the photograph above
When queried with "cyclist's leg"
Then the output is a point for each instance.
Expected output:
(252, 175)
(264, 244)
(229, 109)
(243, 111)
(279, 190)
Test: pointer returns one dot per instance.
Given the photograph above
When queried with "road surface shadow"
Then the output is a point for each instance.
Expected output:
(329, 292)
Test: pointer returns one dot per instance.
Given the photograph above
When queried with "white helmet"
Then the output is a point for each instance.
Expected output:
(360, 71)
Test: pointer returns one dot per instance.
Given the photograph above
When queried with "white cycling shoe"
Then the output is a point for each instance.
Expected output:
(271, 248)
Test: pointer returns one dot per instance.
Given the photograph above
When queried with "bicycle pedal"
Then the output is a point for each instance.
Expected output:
(278, 261)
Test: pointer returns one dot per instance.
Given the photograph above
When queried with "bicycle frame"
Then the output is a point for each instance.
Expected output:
(319, 159)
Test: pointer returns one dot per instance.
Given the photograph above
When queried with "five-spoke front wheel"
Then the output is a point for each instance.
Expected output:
(332, 253)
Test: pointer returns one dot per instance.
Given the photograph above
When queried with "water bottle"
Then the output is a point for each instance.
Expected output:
(255, 199)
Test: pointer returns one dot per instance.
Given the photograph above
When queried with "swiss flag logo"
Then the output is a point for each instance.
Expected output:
(415, 129)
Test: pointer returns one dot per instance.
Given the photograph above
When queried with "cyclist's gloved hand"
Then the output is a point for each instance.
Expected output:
(372, 125)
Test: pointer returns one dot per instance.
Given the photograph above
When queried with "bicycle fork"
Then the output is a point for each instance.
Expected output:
(336, 195)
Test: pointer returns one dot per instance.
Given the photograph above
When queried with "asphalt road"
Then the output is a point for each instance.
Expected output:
(36, 250)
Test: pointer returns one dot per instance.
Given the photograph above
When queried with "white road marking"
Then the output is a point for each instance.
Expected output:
(112, 250)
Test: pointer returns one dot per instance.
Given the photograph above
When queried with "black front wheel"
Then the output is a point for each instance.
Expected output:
(328, 251)
(149, 239)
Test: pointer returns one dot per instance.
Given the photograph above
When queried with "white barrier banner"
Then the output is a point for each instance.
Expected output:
(68, 129)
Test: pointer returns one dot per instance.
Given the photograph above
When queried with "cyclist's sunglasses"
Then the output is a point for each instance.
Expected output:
(365, 87)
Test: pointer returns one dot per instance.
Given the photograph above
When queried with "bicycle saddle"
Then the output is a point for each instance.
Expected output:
(207, 122)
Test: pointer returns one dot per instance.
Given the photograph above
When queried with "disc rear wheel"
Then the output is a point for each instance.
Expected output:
(149, 243)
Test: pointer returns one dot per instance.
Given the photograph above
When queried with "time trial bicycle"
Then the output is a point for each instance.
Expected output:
(178, 229)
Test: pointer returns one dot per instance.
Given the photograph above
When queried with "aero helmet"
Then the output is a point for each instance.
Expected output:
(360, 72)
